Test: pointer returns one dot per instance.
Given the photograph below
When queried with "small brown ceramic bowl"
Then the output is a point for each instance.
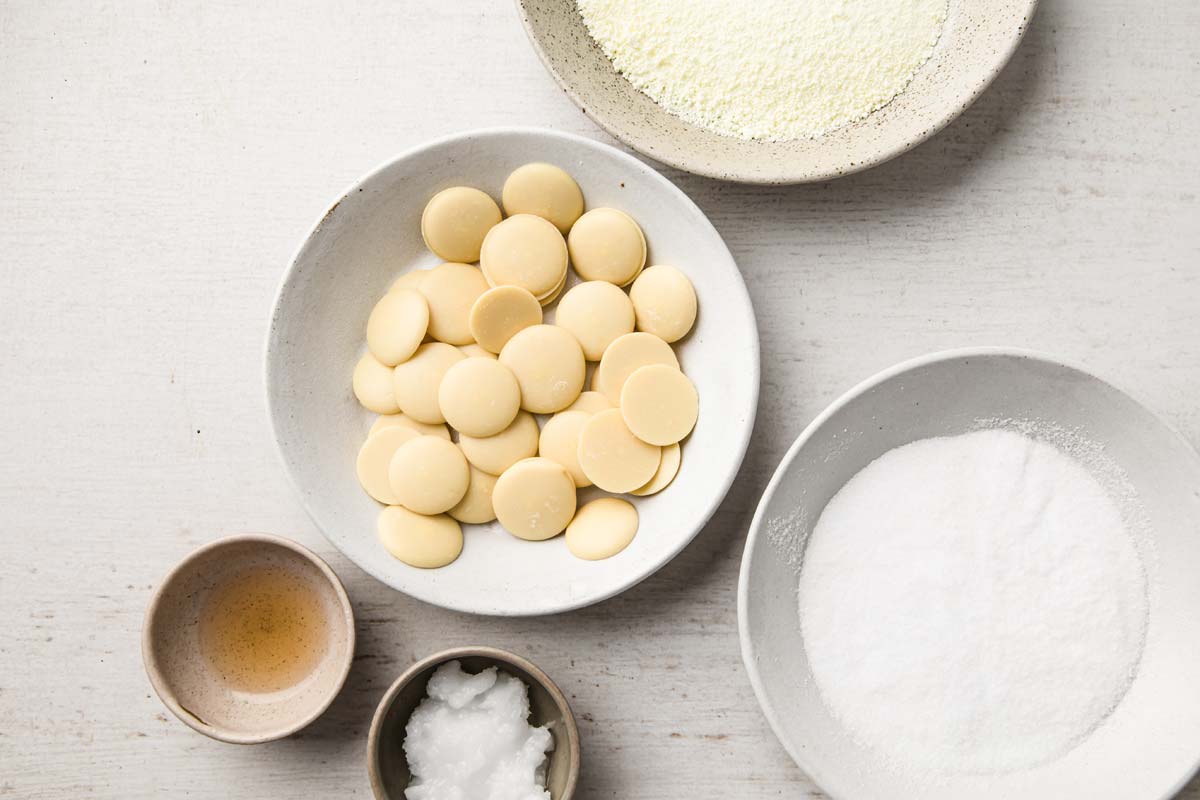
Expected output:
(189, 682)
(386, 762)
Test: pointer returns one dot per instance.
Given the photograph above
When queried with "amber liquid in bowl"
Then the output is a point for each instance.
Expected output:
(264, 630)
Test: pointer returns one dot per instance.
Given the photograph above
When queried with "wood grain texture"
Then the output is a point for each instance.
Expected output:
(161, 160)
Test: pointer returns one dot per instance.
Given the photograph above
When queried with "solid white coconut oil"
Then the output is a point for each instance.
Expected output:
(470, 739)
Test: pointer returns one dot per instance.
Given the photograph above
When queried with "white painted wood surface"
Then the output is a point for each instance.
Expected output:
(161, 160)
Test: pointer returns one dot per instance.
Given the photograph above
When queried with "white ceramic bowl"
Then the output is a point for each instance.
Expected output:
(1149, 747)
(978, 39)
(372, 235)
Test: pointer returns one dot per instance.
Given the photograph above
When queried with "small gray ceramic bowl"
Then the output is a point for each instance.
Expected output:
(194, 690)
(1136, 754)
(386, 762)
(977, 41)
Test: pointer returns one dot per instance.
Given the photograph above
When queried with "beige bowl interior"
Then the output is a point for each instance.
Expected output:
(979, 38)
(190, 686)
(548, 706)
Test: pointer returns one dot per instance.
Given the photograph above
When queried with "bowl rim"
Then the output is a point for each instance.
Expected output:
(162, 686)
(748, 647)
(742, 299)
(784, 177)
(496, 654)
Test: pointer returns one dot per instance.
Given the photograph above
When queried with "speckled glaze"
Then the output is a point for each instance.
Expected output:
(386, 763)
(189, 686)
(979, 38)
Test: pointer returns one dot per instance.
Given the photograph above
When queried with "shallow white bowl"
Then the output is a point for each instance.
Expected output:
(1150, 746)
(978, 39)
(372, 235)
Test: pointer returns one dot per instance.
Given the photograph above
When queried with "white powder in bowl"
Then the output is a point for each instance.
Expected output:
(770, 69)
(972, 604)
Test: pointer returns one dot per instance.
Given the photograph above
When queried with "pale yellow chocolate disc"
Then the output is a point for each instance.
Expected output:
(525, 251)
(417, 540)
(607, 245)
(626, 354)
(450, 290)
(417, 380)
(455, 222)
(591, 402)
(479, 397)
(401, 421)
(666, 472)
(602, 528)
(559, 441)
(428, 475)
(495, 454)
(549, 366)
(596, 313)
(543, 190)
(397, 325)
(612, 457)
(410, 280)
(475, 351)
(554, 295)
(374, 458)
(476, 505)
(373, 385)
(534, 499)
(659, 404)
(557, 290)
(500, 313)
(664, 301)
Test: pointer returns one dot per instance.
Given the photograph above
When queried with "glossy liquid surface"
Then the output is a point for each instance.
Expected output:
(264, 629)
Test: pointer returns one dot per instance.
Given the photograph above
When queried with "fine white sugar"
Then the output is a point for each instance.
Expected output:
(972, 604)
(469, 739)
(770, 69)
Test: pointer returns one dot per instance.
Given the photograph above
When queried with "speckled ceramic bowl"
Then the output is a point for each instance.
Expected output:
(194, 690)
(979, 38)
(386, 763)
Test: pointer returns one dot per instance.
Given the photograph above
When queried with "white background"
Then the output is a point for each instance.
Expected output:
(159, 162)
